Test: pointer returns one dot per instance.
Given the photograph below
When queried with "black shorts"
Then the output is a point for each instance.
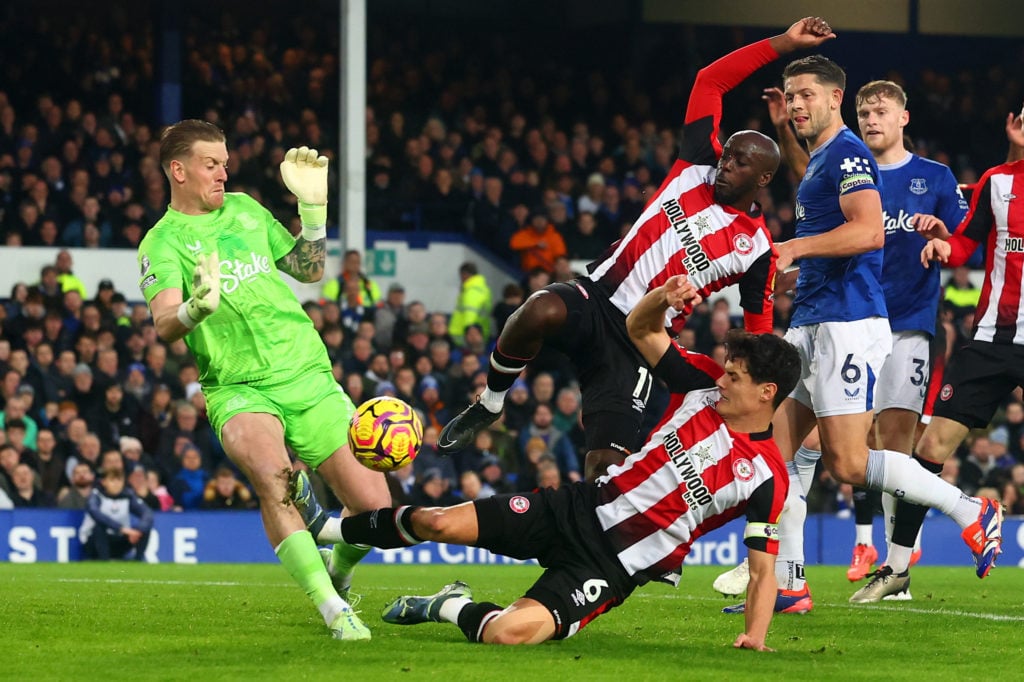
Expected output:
(615, 380)
(583, 578)
(977, 379)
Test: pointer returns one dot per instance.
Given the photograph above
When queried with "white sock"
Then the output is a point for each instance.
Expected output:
(966, 510)
(331, 608)
(331, 532)
(806, 461)
(789, 565)
(494, 401)
(863, 534)
(451, 608)
(903, 477)
(899, 558)
(889, 513)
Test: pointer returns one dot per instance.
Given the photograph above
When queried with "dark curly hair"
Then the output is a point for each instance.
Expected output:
(769, 359)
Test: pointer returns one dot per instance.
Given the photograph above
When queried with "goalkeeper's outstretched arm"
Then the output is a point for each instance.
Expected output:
(304, 172)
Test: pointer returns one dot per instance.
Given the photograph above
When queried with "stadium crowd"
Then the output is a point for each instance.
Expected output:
(537, 171)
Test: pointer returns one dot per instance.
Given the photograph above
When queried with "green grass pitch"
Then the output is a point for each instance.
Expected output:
(233, 622)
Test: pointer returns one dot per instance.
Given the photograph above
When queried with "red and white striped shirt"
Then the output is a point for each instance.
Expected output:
(996, 216)
(683, 230)
(693, 475)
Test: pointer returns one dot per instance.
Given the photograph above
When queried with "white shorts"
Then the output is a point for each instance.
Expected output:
(903, 382)
(840, 363)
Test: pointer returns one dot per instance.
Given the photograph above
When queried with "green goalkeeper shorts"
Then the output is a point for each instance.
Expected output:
(315, 412)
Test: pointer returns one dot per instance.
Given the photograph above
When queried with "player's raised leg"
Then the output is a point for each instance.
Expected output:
(541, 315)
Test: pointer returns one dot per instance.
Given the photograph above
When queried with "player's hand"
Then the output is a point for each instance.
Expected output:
(936, 249)
(205, 290)
(807, 33)
(929, 226)
(776, 102)
(304, 172)
(1015, 128)
(787, 255)
(133, 534)
(786, 281)
(680, 293)
(745, 641)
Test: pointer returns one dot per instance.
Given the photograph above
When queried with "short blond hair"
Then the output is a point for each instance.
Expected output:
(879, 89)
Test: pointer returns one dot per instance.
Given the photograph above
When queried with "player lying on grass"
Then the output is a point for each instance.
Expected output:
(712, 459)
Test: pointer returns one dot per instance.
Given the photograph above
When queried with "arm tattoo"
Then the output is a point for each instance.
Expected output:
(305, 262)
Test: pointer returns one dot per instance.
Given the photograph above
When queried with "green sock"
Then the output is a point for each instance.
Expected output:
(345, 557)
(300, 557)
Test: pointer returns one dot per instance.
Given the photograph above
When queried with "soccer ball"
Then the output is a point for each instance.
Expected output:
(385, 434)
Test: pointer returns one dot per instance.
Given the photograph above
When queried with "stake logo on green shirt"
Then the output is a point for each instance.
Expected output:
(260, 333)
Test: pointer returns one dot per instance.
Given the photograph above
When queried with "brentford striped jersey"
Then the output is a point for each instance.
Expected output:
(996, 216)
(693, 475)
(683, 230)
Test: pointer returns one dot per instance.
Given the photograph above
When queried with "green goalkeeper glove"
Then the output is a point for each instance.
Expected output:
(305, 174)
(205, 292)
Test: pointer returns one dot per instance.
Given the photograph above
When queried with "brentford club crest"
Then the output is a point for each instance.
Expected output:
(946, 393)
(743, 244)
(743, 469)
(519, 504)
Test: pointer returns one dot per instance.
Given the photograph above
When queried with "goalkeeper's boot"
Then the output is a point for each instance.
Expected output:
(786, 601)
(301, 492)
(342, 582)
(884, 584)
(409, 610)
(459, 433)
(733, 583)
(348, 627)
(985, 536)
(864, 557)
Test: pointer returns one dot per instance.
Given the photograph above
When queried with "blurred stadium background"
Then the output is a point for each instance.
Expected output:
(401, 92)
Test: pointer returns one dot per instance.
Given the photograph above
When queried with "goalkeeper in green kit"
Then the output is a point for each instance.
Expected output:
(210, 274)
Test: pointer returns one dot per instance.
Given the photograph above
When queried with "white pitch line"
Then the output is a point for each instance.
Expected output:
(871, 607)
(142, 581)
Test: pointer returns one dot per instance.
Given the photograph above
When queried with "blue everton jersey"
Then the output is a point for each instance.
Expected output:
(836, 289)
(914, 185)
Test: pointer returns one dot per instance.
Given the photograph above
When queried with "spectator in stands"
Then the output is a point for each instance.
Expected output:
(402, 484)
(582, 242)
(76, 495)
(25, 493)
(434, 490)
(67, 278)
(117, 523)
(539, 244)
(133, 454)
(1013, 491)
(444, 205)
(471, 488)
(138, 481)
(492, 224)
(116, 416)
(226, 492)
(186, 425)
(390, 318)
(367, 293)
(473, 305)
(590, 202)
(50, 464)
(979, 468)
(556, 445)
(188, 485)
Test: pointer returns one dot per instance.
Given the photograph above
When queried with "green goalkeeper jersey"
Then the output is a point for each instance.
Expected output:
(260, 333)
